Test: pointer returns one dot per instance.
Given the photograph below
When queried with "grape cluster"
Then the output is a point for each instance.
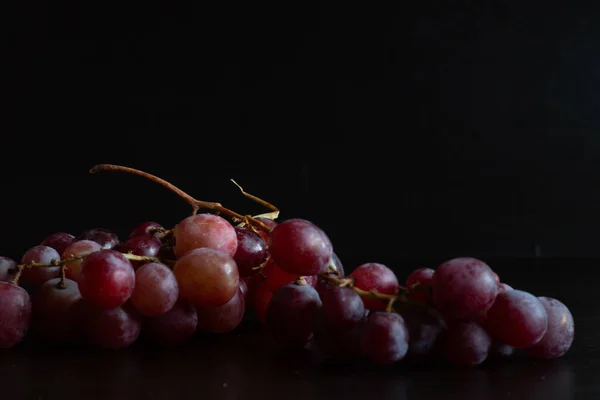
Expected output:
(207, 273)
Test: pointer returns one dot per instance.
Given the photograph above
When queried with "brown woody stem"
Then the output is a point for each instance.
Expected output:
(62, 284)
(195, 203)
(18, 273)
(370, 294)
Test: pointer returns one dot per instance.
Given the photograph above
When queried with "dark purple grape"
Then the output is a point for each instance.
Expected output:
(340, 344)
(464, 288)
(146, 229)
(224, 318)
(337, 263)
(113, 328)
(59, 241)
(517, 319)
(292, 314)
(385, 338)
(269, 223)
(425, 328)
(176, 326)
(467, 344)
(342, 307)
(300, 247)
(8, 267)
(36, 276)
(375, 276)
(560, 333)
(104, 237)
(251, 251)
(15, 314)
(57, 311)
(499, 350)
(142, 245)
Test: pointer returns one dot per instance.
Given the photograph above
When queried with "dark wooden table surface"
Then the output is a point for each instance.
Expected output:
(245, 364)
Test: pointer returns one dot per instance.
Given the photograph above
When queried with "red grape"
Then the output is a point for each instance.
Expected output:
(113, 328)
(207, 277)
(292, 314)
(104, 237)
(269, 223)
(57, 311)
(174, 327)
(375, 276)
(517, 319)
(146, 229)
(464, 288)
(107, 279)
(58, 241)
(277, 277)
(244, 288)
(81, 248)
(385, 338)
(342, 307)
(467, 344)
(560, 333)
(503, 287)
(146, 246)
(261, 299)
(251, 250)
(223, 318)
(8, 267)
(205, 231)
(419, 284)
(425, 328)
(300, 247)
(156, 290)
(36, 276)
(15, 314)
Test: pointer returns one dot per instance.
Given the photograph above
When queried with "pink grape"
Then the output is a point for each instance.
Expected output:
(174, 327)
(251, 251)
(385, 338)
(342, 307)
(467, 344)
(36, 276)
(57, 311)
(205, 231)
(560, 333)
(105, 238)
(464, 288)
(292, 314)
(81, 248)
(376, 276)
(207, 277)
(146, 229)
(59, 241)
(113, 328)
(223, 318)
(8, 268)
(156, 290)
(300, 247)
(107, 279)
(517, 319)
(15, 314)
(419, 283)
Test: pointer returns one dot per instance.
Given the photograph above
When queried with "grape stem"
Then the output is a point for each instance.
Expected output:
(370, 294)
(18, 273)
(62, 263)
(195, 203)
(62, 284)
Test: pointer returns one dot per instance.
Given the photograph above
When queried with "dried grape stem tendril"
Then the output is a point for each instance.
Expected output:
(195, 203)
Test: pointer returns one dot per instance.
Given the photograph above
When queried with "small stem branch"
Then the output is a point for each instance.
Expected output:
(196, 204)
(370, 294)
(133, 257)
(257, 199)
(18, 273)
(62, 284)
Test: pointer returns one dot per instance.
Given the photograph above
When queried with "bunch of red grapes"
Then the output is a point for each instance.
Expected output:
(207, 273)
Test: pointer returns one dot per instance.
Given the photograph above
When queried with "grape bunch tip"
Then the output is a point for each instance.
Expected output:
(212, 269)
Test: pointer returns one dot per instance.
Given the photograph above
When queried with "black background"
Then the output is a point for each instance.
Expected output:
(410, 132)
(406, 133)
